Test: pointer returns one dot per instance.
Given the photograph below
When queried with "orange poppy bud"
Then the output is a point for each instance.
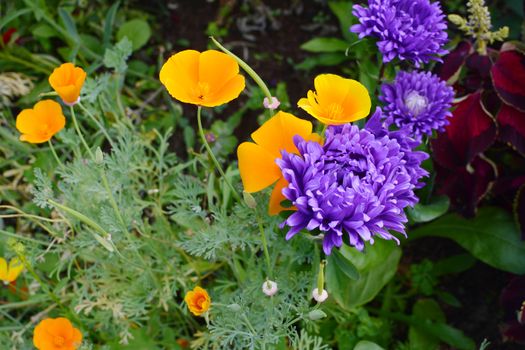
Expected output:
(336, 100)
(67, 80)
(39, 124)
(257, 160)
(210, 78)
(198, 301)
(10, 272)
(56, 334)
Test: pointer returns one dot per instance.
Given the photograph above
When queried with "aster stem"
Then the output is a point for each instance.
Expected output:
(256, 78)
(264, 244)
(380, 78)
(77, 128)
(212, 156)
(60, 164)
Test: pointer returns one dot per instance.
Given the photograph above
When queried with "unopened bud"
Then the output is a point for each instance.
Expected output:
(271, 105)
(99, 156)
(269, 288)
(315, 315)
(234, 307)
(249, 200)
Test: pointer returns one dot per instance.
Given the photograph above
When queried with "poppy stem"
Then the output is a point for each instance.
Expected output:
(95, 120)
(75, 124)
(264, 244)
(60, 164)
(247, 69)
(212, 156)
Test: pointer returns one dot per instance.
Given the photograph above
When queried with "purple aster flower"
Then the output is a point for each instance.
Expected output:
(418, 102)
(351, 189)
(413, 30)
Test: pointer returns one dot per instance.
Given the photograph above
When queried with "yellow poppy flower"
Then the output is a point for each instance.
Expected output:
(210, 78)
(39, 124)
(67, 80)
(10, 272)
(56, 334)
(257, 160)
(336, 100)
(198, 301)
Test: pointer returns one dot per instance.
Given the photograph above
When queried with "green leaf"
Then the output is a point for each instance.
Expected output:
(108, 23)
(340, 262)
(492, 237)
(376, 265)
(453, 264)
(325, 45)
(117, 56)
(343, 11)
(11, 15)
(367, 345)
(69, 22)
(430, 310)
(137, 30)
(323, 59)
(428, 212)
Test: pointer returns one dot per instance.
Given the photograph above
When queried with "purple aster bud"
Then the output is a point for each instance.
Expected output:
(413, 30)
(352, 189)
(417, 102)
(210, 137)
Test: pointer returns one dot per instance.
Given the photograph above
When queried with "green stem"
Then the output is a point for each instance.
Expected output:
(75, 124)
(59, 162)
(95, 120)
(264, 244)
(247, 69)
(212, 156)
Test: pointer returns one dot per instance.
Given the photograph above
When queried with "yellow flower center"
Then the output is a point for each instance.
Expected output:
(334, 111)
(203, 89)
(59, 340)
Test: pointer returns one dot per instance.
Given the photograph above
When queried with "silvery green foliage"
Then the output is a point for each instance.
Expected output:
(42, 190)
(305, 341)
(117, 56)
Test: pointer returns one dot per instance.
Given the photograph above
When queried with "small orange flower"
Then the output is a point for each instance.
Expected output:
(198, 301)
(56, 334)
(39, 124)
(209, 79)
(257, 160)
(336, 100)
(10, 272)
(67, 80)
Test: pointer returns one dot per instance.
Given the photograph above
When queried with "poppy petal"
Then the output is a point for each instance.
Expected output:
(277, 197)
(277, 133)
(226, 93)
(3, 269)
(217, 69)
(180, 75)
(257, 167)
(15, 268)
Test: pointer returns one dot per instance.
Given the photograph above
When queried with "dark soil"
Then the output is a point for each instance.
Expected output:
(273, 53)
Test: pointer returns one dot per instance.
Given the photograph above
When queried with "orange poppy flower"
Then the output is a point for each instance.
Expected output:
(56, 334)
(257, 160)
(198, 301)
(67, 80)
(209, 79)
(39, 124)
(10, 272)
(336, 100)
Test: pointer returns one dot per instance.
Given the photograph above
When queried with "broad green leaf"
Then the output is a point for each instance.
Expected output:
(376, 265)
(323, 59)
(430, 310)
(492, 237)
(69, 23)
(367, 345)
(137, 30)
(453, 264)
(108, 23)
(343, 12)
(325, 45)
(338, 261)
(428, 212)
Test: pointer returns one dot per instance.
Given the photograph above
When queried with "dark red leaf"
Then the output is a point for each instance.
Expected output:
(471, 131)
(512, 127)
(467, 185)
(452, 63)
(478, 72)
(511, 300)
(508, 76)
(6, 37)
